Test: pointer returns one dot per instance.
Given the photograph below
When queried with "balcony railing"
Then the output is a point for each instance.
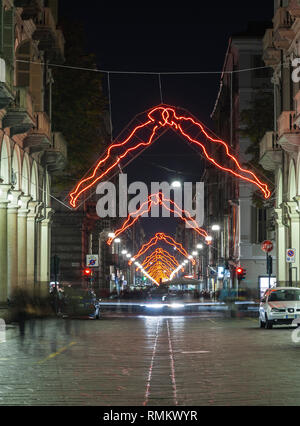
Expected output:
(288, 132)
(283, 31)
(31, 8)
(24, 100)
(283, 19)
(286, 123)
(6, 84)
(294, 8)
(270, 151)
(19, 116)
(56, 156)
(45, 30)
(39, 139)
(271, 55)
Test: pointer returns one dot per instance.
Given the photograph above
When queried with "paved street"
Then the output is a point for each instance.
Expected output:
(150, 361)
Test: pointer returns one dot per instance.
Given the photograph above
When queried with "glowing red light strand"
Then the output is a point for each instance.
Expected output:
(166, 117)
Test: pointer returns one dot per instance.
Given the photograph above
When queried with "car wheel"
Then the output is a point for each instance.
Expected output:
(269, 324)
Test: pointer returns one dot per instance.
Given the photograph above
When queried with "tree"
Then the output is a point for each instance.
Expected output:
(79, 107)
(256, 121)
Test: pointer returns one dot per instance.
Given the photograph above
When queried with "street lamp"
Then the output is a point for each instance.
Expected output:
(111, 235)
(117, 240)
(200, 246)
(176, 184)
(216, 228)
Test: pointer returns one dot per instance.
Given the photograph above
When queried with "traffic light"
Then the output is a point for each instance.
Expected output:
(241, 273)
(87, 272)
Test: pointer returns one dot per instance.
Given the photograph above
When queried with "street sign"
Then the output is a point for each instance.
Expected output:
(92, 260)
(267, 246)
(291, 255)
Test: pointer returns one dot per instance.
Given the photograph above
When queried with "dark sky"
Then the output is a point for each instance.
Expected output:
(161, 37)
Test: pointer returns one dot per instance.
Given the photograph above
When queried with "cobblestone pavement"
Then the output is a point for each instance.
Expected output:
(150, 361)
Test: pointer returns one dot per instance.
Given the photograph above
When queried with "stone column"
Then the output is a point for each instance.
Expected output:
(281, 248)
(45, 252)
(12, 241)
(294, 216)
(33, 208)
(22, 241)
(3, 242)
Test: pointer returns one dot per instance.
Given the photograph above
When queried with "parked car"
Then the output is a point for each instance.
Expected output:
(80, 303)
(280, 305)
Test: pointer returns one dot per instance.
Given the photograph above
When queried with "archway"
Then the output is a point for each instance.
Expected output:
(292, 187)
(25, 175)
(16, 169)
(34, 182)
(5, 160)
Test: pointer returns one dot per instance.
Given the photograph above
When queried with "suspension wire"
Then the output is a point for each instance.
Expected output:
(145, 72)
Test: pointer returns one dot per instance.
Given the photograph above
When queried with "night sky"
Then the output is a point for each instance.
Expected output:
(157, 38)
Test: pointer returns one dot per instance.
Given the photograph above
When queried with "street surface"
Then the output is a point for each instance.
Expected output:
(150, 361)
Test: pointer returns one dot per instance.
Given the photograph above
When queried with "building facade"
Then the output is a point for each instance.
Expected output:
(280, 147)
(29, 151)
(241, 225)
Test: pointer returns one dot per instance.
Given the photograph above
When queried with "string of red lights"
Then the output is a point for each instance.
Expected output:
(158, 199)
(160, 117)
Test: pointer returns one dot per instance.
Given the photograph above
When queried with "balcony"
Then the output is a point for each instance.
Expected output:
(288, 132)
(55, 158)
(283, 32)
(6, 76)
(294, 8)
(271, 55)
(19, 115)
(31, 8)
(39, 138)
(45, 31)
(270, 152)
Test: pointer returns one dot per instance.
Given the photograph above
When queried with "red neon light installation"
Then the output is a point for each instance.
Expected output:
(158, 199)
(160, 118)
(160, 254)
(160, 236)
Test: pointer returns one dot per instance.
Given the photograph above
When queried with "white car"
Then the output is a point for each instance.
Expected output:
(280, 305)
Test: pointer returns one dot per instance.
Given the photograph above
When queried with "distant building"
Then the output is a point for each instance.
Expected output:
(29, 151)
(243, 226)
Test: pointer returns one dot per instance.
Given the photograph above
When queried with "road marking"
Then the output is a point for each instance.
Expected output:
(172, 366)
(54, 354)
(196, 352)
(151, 366)
(214, 322)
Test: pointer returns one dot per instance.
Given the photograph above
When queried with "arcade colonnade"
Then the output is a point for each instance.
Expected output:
(287, 213)
(25, 216)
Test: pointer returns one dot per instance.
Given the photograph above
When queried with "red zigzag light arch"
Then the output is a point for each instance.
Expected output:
(158, 199)
(160, 118)
(161, 237)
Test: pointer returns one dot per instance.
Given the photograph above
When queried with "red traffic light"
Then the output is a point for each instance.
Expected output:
(87, 272)
(241, 273)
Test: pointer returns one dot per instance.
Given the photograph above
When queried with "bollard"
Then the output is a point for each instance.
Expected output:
(2, 331)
